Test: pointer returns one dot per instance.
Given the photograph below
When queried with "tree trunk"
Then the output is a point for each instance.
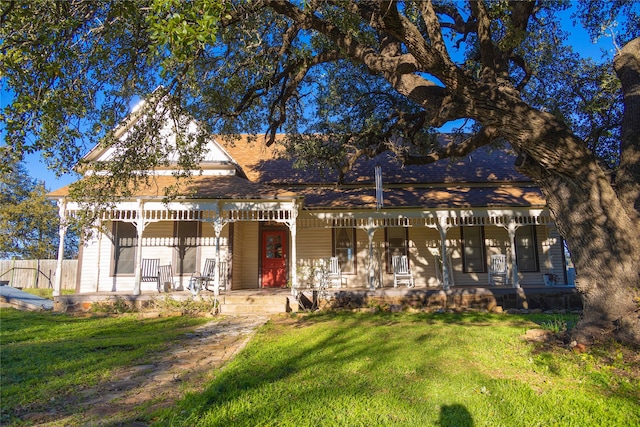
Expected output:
(589, 215)
(627, 66)
(593, 219)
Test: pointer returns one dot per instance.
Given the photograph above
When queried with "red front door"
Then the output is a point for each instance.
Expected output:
(274, 259)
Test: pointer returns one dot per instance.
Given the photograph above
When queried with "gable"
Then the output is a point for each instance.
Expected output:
(214, 155)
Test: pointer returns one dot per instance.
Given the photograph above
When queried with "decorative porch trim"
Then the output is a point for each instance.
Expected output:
(428, 218)
(218, 213)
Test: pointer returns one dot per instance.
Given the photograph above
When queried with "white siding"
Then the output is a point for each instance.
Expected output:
(496, 242)
(157, 242)
(424, 242)
(97, 274)
(245, 256)
(361, 278)
(207, 246)
(88, 271)
(313, 244)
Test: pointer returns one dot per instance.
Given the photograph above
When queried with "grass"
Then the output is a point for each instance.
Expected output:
(411, 370)
(47, 292)
(338, 369)
(47, 358)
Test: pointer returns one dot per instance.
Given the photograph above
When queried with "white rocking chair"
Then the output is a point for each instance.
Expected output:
(199, 280)
(150, 270)
(498, 268)
(401, 271)
(334, 275)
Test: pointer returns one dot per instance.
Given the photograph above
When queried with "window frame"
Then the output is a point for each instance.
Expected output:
(346, 267)
(534, 242)
(116, 258)
(403, 250)
(177, 261)
(482, 246)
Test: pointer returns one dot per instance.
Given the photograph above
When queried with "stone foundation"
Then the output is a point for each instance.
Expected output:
(459, 299)
(261, 301)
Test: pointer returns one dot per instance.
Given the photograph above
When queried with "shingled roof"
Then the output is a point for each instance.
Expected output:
(487, 177)
(270, 165)
(203, 187)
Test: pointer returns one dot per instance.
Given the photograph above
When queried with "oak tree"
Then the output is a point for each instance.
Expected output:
(28, 220)
(374, 76)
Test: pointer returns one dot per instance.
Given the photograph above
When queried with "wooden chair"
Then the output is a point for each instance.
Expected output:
(334, 275)
(401, 271)
(151, 271)
(166, 278)
(498, 268)
(207, 275)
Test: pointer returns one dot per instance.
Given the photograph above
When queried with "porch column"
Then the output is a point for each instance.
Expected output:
(99, 231)
(293, 230)
(139, 230)
(371, 231)
(443, 227)
(218, 224)
(511, 228)
(62, 231)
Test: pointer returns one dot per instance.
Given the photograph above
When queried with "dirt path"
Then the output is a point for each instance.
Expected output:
(144, 388)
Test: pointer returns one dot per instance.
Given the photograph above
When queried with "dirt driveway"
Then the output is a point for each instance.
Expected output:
(144, 388)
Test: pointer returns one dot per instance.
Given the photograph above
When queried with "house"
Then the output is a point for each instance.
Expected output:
(269, 225)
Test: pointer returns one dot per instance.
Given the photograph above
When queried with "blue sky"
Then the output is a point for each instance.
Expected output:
(579, 39)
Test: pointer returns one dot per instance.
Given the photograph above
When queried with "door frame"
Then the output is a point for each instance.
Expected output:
(273, 227)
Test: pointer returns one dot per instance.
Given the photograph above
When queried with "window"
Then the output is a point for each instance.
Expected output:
(344, 247)
(397, 244)
(186, 233)
(124, 252)
(526, 249)
(473, 257)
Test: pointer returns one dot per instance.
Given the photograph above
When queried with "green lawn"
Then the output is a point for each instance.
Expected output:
(412, 370)
(47, 292)
(47, 358)
(337, 369)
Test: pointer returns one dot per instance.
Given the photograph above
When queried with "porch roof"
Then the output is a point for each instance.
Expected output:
(435, 197)
(204, 187)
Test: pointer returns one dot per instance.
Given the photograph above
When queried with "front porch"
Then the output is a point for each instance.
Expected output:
(275, 301)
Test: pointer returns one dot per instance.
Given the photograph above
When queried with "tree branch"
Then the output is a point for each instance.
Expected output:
(6, 11)
(484, 137)
(488, 54)
(397, 69)
(434, 31)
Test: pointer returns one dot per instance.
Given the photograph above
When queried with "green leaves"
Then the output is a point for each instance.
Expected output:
(66, 66)
(73, 68)
(28, 219)
(180, 30)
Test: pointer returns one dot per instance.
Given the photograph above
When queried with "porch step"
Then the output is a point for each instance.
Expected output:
(256, 304)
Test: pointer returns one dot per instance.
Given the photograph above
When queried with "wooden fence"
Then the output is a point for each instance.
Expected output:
(37, 273)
